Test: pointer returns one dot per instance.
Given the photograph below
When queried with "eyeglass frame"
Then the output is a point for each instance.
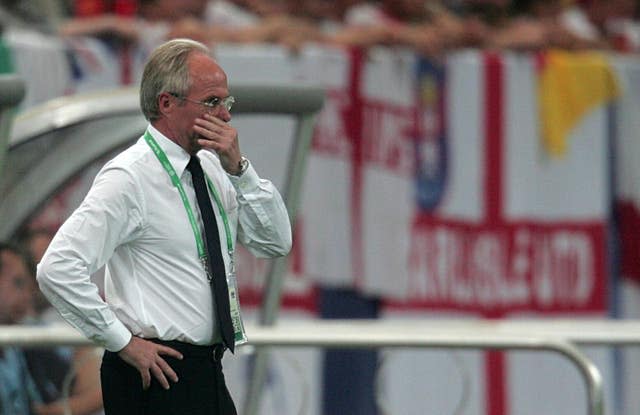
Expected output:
(226, 102)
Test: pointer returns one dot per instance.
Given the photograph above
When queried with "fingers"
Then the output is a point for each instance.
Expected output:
(215, 134)
(159, 375)
(206, 128)
(210, 123)
(146, 378)
(146, 357)
(217, 121)
(216, 130)
(164, 350)
(161, 369)
(166, 369)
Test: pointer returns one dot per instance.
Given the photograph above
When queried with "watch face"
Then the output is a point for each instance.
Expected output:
(244, 164)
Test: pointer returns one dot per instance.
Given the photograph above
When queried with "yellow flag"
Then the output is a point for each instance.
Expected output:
(571, 84)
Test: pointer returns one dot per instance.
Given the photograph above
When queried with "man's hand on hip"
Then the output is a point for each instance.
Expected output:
(146, 356)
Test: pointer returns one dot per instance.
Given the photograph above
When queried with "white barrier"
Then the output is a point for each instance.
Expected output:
(559, 336)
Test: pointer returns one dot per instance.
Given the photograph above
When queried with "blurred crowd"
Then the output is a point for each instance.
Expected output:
(36, 381)
(430, 27)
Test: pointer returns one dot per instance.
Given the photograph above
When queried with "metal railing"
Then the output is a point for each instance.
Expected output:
(559, 336)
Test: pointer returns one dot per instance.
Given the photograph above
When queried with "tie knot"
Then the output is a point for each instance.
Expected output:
(194, 165)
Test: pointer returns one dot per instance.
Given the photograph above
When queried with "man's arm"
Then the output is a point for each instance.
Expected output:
(110, 215)
(264, 227)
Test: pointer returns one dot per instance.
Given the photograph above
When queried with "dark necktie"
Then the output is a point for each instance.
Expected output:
(216, 264)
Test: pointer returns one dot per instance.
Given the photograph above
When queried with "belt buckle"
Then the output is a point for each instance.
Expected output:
(218, 352)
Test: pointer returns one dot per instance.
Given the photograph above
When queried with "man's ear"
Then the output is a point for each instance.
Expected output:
(165, 103)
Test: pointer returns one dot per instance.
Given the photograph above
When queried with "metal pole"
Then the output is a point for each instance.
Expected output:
(365, 338)
(12, 90)
(275, 278)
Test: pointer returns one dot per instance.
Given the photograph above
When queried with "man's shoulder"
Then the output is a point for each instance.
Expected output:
(134, 158)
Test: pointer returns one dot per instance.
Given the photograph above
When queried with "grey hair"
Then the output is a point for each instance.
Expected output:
(167, 70)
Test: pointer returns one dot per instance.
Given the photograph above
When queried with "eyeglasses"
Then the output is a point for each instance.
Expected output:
(211, 103)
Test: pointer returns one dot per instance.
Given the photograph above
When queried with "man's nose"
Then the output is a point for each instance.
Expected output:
(224, 114)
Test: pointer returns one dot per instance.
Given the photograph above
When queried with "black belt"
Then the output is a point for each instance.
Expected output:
(215, 351)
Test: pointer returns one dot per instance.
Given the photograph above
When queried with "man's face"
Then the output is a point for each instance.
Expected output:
(15, 288)
(208, 80)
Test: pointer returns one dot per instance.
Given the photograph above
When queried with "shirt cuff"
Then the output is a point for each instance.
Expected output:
(116, 337)
(247, 182)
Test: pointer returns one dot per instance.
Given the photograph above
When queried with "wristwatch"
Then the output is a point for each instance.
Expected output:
(243, 165)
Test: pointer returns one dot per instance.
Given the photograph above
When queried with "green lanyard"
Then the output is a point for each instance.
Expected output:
(166, 164)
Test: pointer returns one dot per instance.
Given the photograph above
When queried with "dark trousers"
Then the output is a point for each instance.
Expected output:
(200, 390)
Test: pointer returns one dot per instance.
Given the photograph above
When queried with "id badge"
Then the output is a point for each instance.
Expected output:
(240, 335)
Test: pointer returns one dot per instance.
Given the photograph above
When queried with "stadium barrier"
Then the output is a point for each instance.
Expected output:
(560, 336)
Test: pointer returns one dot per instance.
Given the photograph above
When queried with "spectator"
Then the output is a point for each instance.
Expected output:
(427, 27)
(430, 27)
(18, 393)
(602, 24)
(530, 24)
(86, 8)
(328, 10)
(154, 18)
(282, 22)
(519, 24)
(41, 15)
(230, 14)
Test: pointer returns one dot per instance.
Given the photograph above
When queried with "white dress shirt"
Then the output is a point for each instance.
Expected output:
(134, 221)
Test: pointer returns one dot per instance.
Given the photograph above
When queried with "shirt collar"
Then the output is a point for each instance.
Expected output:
(176, 155)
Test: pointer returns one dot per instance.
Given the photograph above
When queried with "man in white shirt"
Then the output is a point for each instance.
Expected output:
(143, 219)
